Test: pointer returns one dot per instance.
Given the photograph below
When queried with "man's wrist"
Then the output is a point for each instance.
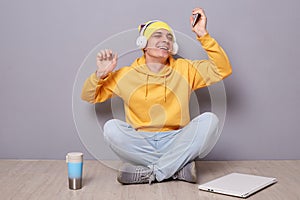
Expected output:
(101, 75)
(202, 33)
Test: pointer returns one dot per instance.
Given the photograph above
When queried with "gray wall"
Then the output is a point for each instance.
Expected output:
(43, 44)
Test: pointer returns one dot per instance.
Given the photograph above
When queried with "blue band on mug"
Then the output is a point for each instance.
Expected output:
(75, 170)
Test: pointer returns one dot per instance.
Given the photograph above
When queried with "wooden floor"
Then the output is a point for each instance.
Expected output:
(45, 179)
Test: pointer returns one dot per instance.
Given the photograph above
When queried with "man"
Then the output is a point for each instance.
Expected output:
(158, 141)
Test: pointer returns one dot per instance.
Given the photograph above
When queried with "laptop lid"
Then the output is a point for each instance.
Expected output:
(236, 184)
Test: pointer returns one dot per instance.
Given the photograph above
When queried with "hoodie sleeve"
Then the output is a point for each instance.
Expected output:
(215, 69)
(97, 90)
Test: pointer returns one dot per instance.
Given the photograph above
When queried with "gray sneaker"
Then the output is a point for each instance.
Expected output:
(187, 173)
(131, 174)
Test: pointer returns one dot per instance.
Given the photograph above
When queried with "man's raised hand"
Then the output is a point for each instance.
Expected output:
(106, 62)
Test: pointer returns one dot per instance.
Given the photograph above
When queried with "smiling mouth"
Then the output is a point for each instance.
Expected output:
(163, 48)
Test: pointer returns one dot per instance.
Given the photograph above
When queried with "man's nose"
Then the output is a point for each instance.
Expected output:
(166, 39)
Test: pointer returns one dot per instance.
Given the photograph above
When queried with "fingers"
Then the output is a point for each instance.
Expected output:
(198, 10)
(115, 58)
(105, 54)
(200, 26)
(191, 19)
(106, 62)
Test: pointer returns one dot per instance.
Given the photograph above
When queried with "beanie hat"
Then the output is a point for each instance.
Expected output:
(152, 26)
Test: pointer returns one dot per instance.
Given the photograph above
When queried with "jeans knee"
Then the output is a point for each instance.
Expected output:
(208, 116)
(116, 131)
(211, 115)
(213, 118)
(108, 128)
(207, 121)
(108, 124)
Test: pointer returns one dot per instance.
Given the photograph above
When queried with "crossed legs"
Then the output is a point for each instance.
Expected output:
(164, 152)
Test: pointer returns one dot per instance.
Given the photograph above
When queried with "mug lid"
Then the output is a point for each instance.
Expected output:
(74, 157)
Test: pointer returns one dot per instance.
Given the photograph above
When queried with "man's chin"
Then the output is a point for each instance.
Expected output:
(163, 53)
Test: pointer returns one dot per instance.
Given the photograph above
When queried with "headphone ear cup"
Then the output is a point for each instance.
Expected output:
(141, 42)
(175, 48)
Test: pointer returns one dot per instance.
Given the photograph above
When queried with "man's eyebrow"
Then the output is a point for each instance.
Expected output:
(157, 32)
(160, 32)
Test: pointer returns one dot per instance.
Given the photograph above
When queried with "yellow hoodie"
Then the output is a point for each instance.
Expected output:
(160, 101)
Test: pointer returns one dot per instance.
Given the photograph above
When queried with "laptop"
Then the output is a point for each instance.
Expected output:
(239, 185)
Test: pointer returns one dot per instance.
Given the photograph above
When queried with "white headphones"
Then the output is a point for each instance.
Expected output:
(141, 41)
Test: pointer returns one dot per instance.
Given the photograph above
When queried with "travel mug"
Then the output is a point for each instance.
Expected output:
(75, 165)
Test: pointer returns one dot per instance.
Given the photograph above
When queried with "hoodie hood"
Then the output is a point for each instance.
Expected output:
(141, 67)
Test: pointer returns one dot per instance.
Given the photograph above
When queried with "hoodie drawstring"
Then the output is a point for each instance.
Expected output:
(165, 82)
(146, 93)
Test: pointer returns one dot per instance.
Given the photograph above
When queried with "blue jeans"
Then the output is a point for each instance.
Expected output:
(164, 152)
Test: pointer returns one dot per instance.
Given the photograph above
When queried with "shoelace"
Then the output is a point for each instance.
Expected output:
(179, 174)
(143, 174)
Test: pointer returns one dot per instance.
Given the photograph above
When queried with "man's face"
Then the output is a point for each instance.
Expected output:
(160, 44)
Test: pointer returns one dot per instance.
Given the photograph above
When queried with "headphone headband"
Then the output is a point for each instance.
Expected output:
(144, 26)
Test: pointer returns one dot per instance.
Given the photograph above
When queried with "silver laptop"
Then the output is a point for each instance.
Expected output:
(239, 185)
